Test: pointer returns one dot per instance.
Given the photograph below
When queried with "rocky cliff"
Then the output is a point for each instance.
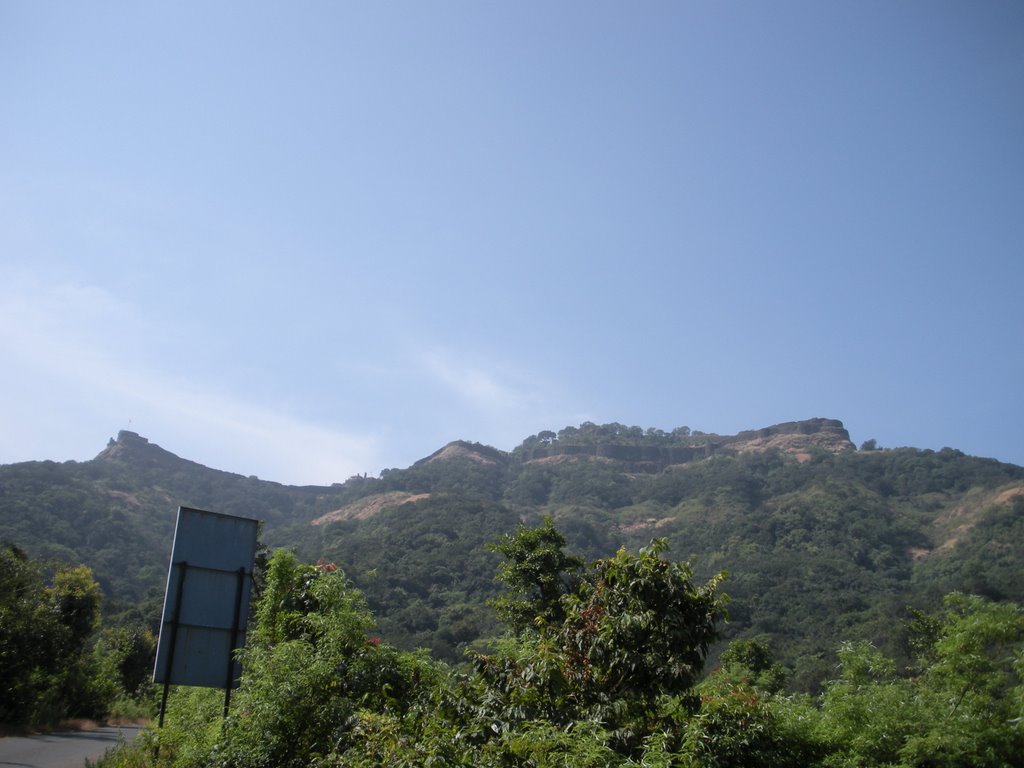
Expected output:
(652, 455)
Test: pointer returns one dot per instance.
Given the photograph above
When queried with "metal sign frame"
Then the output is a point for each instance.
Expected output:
(206, 602)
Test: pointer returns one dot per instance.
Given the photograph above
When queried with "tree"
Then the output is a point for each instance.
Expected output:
(126, 655)
(973, 689)
(75, 597)
(538, 574)
(45, 670)
(740, 725)
(962, 707)
(631, 634)
(868, 711)
(639, 626)
(29, 636)
(752, 661)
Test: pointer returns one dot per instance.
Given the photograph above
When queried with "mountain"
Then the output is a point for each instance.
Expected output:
(823, 542)
(116, 512)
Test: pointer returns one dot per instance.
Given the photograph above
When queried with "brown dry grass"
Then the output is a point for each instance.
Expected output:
(370, 506)
(958, 521)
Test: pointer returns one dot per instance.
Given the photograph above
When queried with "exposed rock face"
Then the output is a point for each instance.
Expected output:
(131, 447)
(134, 449)
(795, 437)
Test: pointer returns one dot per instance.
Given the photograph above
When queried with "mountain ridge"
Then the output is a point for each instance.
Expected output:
(825, 542)
(650, 452)
(791, 437)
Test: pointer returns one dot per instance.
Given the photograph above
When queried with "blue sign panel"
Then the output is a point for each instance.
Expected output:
(206, 604)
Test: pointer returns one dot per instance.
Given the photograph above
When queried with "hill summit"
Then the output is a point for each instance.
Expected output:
(133, 449)
(653, 450)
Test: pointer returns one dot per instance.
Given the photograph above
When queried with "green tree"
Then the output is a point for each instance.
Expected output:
(962, 707)
(46, 670)
(973, 688)
(639, 626)
(868, 711)
(29, 636)
(740, 725)
(537, 572)
(751, 660)
(125, 656)
(75, 597)
(634, 631)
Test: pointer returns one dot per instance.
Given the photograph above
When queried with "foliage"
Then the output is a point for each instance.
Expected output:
(46, 667)
(538, 574)
(963, 707)
(314, 676)
(424, 569)
(122, 659)
(739, 724)
(29, 635)
(613, 682)
(310, 628)
(752, 661)
(848, 538)
(634, 630)
(640, 627)
(115, 514)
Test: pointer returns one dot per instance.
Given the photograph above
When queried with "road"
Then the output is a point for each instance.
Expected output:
(62, 750)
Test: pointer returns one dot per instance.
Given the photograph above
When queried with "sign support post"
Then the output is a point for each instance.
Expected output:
(182, 570)
(234, 639)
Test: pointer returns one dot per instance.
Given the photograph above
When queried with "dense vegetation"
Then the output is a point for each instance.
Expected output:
(55, 661)
(116, 514)
(824, 543)
(848, 540)
(600, 666)
(424, 568)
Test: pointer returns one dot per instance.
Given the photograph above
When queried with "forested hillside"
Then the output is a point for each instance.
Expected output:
(822, 542)
(599, 665)
(116, 512)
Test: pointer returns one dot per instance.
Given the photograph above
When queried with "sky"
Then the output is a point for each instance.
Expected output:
(314, 239)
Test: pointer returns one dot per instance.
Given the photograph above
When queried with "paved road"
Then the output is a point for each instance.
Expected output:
(62, 750)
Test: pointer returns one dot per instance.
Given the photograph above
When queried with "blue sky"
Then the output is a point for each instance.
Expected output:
(306, 240)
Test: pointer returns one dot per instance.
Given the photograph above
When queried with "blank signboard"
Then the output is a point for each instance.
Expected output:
(206, 605)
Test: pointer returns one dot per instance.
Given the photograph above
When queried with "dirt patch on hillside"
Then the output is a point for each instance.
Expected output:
(370, 506)
(961, 520)
(571, 458)
(646, 525)
(129, 499)
(1009, 495)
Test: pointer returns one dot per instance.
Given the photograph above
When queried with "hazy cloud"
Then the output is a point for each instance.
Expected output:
(77, 343)
(504, 401)
(487, 390)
